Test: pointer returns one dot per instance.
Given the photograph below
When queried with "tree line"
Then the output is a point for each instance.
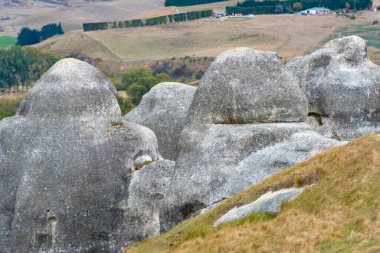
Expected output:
(189, 2)
(289, 6)
(179, 17)
(29, 36)
(20, 67)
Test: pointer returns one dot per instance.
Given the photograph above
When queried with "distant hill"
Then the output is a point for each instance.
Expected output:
(15, 14)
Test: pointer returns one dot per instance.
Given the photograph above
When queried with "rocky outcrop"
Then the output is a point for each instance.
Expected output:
(270, 202)
(248, 86)
(66, 163)
(163, 109)
(76, 177)
(148, 187)
(342, 85)
(245, 123)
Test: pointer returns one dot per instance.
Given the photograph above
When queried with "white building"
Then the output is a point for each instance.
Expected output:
(314, 11)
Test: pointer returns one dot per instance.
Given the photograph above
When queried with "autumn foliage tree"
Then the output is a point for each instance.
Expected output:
(297, 6)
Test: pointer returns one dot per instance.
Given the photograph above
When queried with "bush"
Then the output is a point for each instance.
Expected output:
(138, 81)
(136, 91)
(9, 107)
(126, 105)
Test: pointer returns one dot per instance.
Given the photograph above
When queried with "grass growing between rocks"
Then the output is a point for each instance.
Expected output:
(338, 213)
(9, 105)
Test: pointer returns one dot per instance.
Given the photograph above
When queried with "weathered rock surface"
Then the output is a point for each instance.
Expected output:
(163, 109)
(270, 202)
(342, 84)
(65, 163)
(148, 187)
(218, 159)
(248, 86)
(226, 159)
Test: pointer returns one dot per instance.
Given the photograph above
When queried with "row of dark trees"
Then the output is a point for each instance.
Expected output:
(189, 2)
(20, 67)
(179, 17)
(280, 6)
(29, 36)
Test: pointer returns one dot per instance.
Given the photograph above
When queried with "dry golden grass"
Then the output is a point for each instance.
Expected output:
(11, 95)
(338, 213)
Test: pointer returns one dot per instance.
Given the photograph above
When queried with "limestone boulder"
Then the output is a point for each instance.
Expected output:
(164, 109)
(341, 83)
(223, 160)
(245, 86)
(270, 202)
(66, 162)
(147, 190)
(245, 123)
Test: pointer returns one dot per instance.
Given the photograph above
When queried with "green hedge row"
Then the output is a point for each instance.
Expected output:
(180, 17)
(189, 2)
(257, 10)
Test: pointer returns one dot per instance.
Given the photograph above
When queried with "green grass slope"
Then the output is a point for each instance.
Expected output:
(6, 41)
(338, 213)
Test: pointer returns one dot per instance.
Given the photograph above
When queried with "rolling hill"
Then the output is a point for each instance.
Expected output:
(289, 36)
(72, 13)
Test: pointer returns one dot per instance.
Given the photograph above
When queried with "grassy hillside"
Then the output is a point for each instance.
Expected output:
(338, 213)
(6, 41)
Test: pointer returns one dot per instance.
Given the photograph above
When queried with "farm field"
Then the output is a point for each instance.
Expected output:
(73, 15)
(288, 36)
(6, 41)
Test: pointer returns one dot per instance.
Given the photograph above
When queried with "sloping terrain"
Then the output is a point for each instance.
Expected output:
(338, 212)
(289, 36)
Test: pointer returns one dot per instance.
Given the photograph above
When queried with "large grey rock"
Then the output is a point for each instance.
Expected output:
(270, 202)
(163, 109)
(248, 86)
(343, 85)
(148, 187)
(218, 157)
(66, 161)
(223, 160)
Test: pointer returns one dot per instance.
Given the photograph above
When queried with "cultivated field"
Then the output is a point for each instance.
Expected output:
(36, 14)
(287, 35)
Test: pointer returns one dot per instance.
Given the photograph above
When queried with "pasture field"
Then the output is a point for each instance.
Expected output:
(73, 15)
(287, 35)
(6, 41)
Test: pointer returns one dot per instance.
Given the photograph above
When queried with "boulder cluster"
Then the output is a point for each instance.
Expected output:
(76, 176)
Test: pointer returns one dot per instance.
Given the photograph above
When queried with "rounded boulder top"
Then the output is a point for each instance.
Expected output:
(351, 50)
(71, 88)
(245, 86)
